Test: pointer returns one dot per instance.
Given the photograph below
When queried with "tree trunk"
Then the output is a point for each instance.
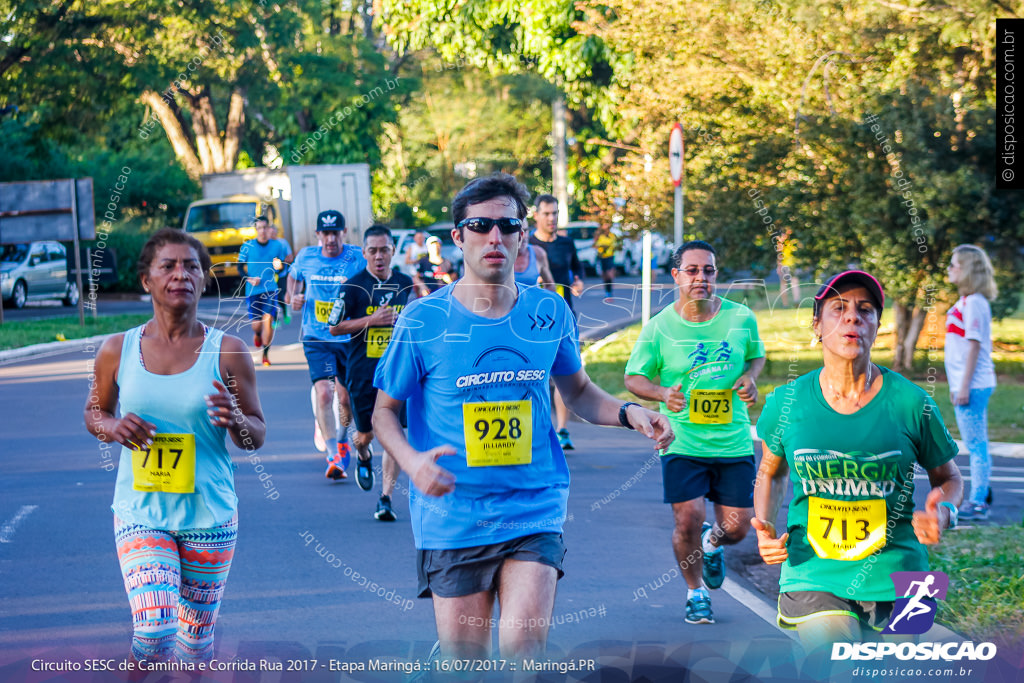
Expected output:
(210, 134)
(909, 323)
(233, 130)
(175, 133)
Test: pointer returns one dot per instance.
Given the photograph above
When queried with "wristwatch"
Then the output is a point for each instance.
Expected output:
(954, 514)
(623, 420)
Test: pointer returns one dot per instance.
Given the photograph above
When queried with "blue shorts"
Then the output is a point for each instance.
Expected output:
(726, 481)
(326, 359)
(262, 304)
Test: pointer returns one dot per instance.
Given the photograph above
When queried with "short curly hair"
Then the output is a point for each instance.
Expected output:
(170, 236)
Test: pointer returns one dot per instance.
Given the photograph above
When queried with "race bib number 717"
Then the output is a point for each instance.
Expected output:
(169, 465)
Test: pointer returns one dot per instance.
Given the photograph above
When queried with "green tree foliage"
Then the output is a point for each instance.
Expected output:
(865, 129)
(540, 37)
(461, 124)
(212, 81)
(783, 102)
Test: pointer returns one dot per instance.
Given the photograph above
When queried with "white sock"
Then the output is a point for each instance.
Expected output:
(706, 543)
(332, 448)
(693, 592)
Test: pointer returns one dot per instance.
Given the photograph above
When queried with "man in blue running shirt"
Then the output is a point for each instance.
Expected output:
(323, 270)
(471, 363)
(259, 260)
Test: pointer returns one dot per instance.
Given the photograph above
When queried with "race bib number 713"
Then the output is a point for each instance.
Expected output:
(845, 529)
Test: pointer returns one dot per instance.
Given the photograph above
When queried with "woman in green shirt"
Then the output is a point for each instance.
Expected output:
(849, 436)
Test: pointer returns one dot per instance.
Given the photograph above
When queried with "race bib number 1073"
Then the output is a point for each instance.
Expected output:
(711, 407)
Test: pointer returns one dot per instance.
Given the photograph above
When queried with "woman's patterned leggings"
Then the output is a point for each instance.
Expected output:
(175, 581)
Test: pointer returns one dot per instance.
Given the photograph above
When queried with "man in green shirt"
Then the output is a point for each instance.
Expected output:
(700, 358)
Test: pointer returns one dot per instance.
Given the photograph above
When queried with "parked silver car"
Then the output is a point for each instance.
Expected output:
(37, 270)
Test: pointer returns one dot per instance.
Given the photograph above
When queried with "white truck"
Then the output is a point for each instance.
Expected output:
(290, 196)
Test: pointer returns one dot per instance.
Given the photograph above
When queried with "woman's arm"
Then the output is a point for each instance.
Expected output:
(948, 487)
(100, 418)
(236, 405)
(963, 395)
(769, 491)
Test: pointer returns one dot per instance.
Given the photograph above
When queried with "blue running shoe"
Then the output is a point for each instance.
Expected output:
(698, 609)
(714, 562)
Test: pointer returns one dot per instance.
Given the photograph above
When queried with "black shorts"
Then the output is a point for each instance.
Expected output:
(726, 481)
(465, 571)
(606, 263)
(796, 607)
(362, 396)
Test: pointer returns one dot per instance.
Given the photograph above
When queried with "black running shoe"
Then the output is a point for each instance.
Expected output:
(364, 473)
(384, 512)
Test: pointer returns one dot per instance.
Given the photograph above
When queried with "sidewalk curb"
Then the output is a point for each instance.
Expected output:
(48, 348)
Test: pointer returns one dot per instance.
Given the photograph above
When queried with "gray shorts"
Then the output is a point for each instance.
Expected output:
(795, 607)
(465, 571)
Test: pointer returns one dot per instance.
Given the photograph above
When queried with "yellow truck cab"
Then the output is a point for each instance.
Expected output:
(225, 223)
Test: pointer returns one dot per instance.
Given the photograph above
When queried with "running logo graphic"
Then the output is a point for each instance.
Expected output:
(917, 599)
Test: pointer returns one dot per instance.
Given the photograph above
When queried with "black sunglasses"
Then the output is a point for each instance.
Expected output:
(508, 226)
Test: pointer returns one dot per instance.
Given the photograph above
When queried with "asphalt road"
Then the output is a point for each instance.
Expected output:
(315, 577)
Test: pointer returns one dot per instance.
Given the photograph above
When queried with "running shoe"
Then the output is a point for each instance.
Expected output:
(714, 562)
(266, 357)
(257, 340)
(364, 473)
(564, 441)
(345, 453)
(974, 511)
(384, 512)
(335, 472)
(426, 674)
(698, 609)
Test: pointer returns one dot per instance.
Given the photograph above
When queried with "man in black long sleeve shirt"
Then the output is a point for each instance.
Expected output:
(561, 251)
(565, 269)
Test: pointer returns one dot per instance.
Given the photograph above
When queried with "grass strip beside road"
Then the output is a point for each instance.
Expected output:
(985, 566)
(14, 335)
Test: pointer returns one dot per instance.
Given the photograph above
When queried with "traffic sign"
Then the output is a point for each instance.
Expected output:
(675, 153)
